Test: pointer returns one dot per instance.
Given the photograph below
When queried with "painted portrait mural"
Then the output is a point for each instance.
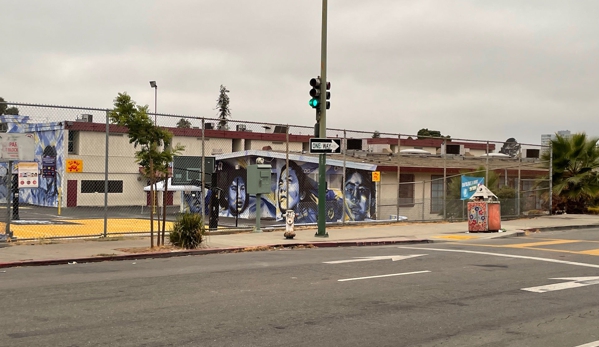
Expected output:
(49, 151)
(295, 187)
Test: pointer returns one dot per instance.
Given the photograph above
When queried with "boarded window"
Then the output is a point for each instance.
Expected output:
(406, 190)
(436, 193)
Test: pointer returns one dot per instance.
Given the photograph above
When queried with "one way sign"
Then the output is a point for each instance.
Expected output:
(320, 146)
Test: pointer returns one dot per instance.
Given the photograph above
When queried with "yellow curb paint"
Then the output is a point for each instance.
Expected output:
(456, 237)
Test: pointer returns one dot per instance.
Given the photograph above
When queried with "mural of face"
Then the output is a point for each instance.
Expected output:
(236, 195)
(289, 199)
(357, 197)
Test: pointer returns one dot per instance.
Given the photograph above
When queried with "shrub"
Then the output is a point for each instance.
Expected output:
(593, 210)
(187, 231)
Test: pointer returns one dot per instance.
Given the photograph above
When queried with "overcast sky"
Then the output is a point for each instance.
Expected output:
(470, 69)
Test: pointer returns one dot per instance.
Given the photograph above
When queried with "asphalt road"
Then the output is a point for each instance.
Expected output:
(503, 292)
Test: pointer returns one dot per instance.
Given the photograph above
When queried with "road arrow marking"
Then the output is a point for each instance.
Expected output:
(379, 276)
(573, 282)
(384, 257)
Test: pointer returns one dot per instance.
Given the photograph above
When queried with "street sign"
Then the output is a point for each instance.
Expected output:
(320, 146)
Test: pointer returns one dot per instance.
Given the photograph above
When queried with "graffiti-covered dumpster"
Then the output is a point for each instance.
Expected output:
(484, 211)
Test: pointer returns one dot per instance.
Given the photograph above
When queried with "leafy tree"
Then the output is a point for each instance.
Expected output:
(222, 105)
(425, 133)
(143, 133)
(575, 178)
(4, 109)
(376, 134)
(183, 123)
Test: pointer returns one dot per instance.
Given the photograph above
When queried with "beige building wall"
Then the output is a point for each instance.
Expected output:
(387, 197)
(212, 146)
(275, 145)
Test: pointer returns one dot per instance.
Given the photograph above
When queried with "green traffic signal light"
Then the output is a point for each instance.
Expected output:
(314, 102)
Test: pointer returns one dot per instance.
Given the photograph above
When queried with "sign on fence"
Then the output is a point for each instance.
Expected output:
(17, 147)
(28, 175)
(469, 185)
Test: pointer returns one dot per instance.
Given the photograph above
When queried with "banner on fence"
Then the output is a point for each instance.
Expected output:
(469, 185)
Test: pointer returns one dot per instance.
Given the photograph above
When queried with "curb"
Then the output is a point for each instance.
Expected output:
(157, 255)
(526, 231)
(568, 227)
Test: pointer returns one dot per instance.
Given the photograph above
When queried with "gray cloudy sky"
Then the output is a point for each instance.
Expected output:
(471, 69)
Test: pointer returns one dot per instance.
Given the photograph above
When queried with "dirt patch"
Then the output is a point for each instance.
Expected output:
(273, 248)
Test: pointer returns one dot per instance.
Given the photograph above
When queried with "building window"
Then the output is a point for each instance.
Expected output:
(97, 186)
(73, 142)
(436, 194)
(3, 127)
(406, 190)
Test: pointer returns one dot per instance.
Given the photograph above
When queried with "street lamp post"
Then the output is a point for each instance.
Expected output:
(155, 86)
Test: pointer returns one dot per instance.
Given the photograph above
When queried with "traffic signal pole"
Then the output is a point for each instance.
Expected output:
(322, 130)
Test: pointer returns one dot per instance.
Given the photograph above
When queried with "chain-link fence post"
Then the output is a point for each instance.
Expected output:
(398, 176)
(287, 170)
(8, 200)
(344, 144)
(487, 166)
(203, 192)
(550, 179)
(518, 184)
(444, 179)
(105, 176)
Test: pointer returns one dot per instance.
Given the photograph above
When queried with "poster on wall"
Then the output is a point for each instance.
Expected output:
(28, 175)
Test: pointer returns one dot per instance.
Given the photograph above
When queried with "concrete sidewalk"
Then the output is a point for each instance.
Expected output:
(62, 252)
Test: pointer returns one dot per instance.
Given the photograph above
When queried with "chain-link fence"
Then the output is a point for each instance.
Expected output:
(90, 183)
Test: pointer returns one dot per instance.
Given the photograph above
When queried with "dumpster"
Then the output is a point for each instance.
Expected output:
(484, 211)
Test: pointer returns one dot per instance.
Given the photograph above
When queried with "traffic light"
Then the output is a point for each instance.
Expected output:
(315, 93)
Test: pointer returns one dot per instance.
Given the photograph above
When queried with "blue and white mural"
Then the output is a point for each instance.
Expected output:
(49, 151)
(294, 186)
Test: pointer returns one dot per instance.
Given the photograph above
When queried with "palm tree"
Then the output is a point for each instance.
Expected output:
(575, 164)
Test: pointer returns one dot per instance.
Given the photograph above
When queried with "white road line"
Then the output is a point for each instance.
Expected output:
(390, 275)
(506, 256)
(573, 282)
(384, 257)
(590, 344)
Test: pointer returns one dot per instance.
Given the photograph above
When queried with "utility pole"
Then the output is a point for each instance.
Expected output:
(322, 131)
